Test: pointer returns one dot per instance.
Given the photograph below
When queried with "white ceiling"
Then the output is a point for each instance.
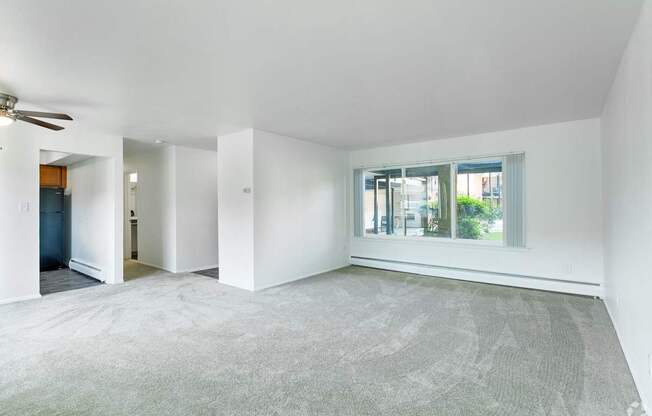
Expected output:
(346, 73)
(49, 157)
(133, 147)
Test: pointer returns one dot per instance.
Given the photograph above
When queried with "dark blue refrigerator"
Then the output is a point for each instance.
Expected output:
(51, 228)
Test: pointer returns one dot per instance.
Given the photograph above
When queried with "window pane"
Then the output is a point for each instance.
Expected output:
(480, 200)
(382, 202)
(427, 201)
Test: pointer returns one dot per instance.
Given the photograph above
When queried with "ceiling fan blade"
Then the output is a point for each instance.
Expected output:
(41, 114)
(47, 125)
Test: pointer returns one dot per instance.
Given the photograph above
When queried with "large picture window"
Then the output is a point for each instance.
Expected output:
(462, 200)
(408, 202)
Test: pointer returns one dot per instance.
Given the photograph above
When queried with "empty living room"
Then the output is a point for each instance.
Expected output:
(341, 208)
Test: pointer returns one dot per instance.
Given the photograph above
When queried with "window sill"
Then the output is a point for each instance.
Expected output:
(441, 241)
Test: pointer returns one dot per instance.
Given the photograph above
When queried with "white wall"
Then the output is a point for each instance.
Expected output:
(300, 209)
(627, 164)
(90, 196)
(19, 189)
(155, 199)
(196, 211)
(235, 172)
(293, 222)
(563, 208)
(47, 157)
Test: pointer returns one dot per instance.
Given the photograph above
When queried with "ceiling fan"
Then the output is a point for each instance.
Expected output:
(8, 114)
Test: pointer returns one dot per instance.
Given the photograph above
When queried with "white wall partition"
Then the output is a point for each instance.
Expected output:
(196, 209)
(282, 209)
(563, 211)
(235, 180)
(19, 200)
(300, 208)
(90, 203)
(627, 161)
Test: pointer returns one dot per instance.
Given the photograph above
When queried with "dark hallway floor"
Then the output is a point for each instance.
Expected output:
(61, 280)
(214, 273)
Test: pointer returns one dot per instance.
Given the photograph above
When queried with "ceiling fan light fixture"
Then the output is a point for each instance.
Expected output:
(5, 119)
(9, 114)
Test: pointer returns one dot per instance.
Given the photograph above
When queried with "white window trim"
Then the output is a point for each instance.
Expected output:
(441, 241)
(453, 239)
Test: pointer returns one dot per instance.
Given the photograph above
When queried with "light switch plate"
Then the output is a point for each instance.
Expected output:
(23, 207)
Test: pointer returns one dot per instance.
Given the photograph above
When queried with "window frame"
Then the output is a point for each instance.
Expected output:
(453, 239)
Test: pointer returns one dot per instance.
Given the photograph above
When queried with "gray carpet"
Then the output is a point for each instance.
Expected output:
(352, 342)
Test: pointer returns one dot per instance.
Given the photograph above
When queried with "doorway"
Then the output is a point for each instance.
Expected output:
(60, 221)
(132, 210)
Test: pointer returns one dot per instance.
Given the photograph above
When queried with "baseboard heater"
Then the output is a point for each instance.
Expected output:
(496, 278)
(87, 269)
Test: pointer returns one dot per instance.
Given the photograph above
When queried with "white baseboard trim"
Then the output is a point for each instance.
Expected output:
(86, 268)
(502, 279)
(20, 299)
(256, 289)
(196, 269)
(229, 284)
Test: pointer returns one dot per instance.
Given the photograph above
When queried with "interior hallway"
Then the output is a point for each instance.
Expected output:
(135, 270)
